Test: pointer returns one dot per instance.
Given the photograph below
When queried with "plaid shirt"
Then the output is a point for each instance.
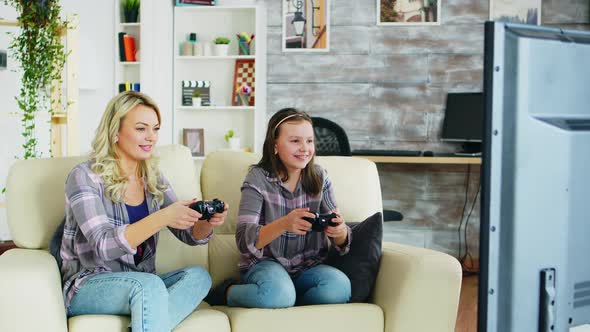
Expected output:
(266, 199)
(94, 233)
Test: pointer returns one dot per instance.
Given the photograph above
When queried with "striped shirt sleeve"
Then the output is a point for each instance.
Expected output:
(249, 216)
(106, 237)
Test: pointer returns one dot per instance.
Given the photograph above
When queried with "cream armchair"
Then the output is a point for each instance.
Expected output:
(416, 289)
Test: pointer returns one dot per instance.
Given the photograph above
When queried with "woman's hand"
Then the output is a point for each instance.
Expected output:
(339, 232)
(178, 215)
(294, 222)
(204, 227)
(219, 218)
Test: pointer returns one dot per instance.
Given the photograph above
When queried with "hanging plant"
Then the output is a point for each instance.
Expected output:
(41, 54)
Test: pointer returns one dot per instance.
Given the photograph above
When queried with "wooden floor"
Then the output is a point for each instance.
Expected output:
(467, 316)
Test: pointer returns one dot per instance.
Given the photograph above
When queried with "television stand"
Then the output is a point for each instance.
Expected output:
(470, 149)
(467, 154)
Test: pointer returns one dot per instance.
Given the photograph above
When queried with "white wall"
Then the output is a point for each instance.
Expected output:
(96, 74)
(96, 36)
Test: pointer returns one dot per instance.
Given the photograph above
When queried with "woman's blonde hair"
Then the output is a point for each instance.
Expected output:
(105, 154)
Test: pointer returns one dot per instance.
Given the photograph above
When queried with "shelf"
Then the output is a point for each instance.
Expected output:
(210, 22)
(59, 115)
(213, 108)
(129, 63)
(191, 8)
(423, 160)
(126, 25)
(199, 158)
(215, 57)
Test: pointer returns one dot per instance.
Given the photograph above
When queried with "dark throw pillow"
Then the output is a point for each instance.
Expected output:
(55, 242)
(361, 264)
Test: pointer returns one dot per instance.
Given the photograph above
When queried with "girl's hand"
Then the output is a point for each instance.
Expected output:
(338, 232)
(178, 215)
(219, 218)
(294, 222)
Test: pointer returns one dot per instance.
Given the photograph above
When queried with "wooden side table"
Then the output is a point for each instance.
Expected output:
(6, 245)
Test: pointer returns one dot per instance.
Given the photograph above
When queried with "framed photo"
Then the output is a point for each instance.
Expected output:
(306, 25)
(408, 12)
(193, 138)
(516, 11)
(244, 74)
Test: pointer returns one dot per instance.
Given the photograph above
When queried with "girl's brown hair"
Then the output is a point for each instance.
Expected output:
(311, 179)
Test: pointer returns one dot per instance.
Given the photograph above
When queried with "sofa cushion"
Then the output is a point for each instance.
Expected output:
(361, 264)
(176, 163)
(35, 192)
(96, 323)
(173, 254)
(223, 173)
(223, 258)
(202, 319)
(319, 318)
(35, 199)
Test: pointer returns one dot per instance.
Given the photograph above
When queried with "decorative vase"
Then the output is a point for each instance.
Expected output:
(243, 99)
(221, 49)
(197, 101)
(243, 47)
(198, 49)
(234, 143)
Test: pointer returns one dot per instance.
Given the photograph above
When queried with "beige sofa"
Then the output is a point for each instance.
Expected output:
(416, 289)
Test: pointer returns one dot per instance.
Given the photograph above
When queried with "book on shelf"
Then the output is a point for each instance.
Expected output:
(126, 47)
(129, 42)
(121, 46)
(190, 87)
(129, 86)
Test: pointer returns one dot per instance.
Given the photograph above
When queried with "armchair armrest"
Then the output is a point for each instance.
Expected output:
(418, 289)
(30, 292)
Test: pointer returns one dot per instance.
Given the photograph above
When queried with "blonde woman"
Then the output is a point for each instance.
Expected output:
(116, 203)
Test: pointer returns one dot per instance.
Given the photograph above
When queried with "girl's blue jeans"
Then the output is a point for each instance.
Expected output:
(155, 303)
(268, 285)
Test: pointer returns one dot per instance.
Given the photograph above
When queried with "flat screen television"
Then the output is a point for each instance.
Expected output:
(535, 204)
(463, 120)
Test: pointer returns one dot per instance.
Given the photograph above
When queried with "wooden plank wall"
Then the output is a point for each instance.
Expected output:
(386, 86)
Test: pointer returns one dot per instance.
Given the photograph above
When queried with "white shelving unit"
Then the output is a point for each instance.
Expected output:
(126, 71)
(248, 122)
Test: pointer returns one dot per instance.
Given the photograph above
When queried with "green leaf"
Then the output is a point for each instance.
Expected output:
(39, 50)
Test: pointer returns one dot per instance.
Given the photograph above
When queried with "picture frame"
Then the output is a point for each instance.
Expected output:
(306, 26)
(244, 72)
(408, 12)
(516, 11)
(193, 138)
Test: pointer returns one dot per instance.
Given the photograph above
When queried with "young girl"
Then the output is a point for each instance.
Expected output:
(116, 203)
(282, 257)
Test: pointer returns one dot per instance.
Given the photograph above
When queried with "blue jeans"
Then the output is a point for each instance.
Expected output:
(268, 285)
(155, 303)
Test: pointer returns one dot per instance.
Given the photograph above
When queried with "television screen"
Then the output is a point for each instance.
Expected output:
(463, 117)
(535, 214)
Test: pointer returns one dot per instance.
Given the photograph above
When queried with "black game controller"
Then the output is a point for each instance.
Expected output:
(321, 221)
(208, 208)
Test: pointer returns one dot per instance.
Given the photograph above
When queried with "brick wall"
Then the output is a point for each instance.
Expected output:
(386, 86)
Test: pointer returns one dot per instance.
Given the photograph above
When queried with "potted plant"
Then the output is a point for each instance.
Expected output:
(130, 10)
(221, 46)
(39, 50)
(196, 99)
(232, 140)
